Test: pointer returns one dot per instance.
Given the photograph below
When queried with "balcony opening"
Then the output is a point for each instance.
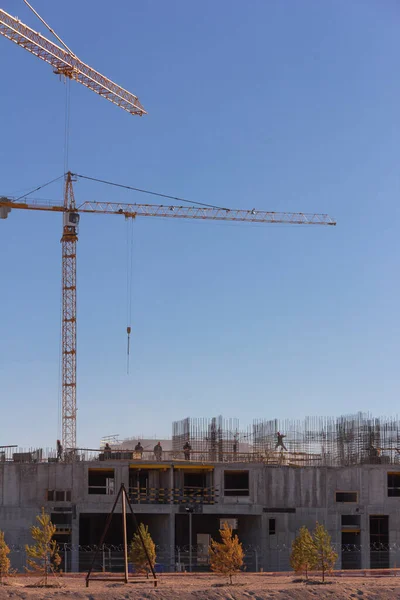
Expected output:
(101, 481)
(194, 480)
(139, 479)
(236, 483)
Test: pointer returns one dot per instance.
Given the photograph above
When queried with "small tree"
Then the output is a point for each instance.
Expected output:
(137, 553)
(4, 560)
(43, 556)
(325, 556)
(302, 557)
(226, 556)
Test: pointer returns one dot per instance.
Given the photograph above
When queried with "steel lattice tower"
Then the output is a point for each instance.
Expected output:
(68, 369)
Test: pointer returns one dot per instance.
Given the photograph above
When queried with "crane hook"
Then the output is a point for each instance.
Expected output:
(128, 331)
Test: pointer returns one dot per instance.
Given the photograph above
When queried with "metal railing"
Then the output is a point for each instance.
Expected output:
(17, 454)
(105, 490)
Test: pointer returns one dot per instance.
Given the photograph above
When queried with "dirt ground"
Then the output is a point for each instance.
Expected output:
(209, 587)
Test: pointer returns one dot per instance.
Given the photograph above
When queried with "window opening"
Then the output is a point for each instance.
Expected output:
(236, 483)
(346, 496)
(271, 526)
(101, 481)
(393, 484)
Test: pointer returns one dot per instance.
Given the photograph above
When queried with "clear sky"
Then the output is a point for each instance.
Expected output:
(278, 105)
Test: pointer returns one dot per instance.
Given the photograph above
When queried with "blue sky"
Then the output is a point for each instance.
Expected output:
(286, 106)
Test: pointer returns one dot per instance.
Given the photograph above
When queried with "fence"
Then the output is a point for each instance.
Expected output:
(194, 559)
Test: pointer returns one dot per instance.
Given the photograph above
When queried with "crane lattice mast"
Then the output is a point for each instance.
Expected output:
(68, 318)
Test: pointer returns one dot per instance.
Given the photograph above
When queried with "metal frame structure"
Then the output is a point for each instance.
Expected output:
(315, 441)
(68, 320)
(176, 212)
(124, 501)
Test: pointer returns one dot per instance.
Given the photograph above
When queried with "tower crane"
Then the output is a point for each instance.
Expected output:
(67, 64)
(71, 213)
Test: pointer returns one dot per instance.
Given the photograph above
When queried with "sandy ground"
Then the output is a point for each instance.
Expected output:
(193, 587)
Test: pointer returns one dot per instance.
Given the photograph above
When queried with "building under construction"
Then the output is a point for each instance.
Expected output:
(267, 480)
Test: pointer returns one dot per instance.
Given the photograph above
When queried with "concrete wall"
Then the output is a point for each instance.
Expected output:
(307, 494)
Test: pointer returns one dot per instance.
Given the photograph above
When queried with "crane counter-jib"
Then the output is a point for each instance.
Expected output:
(178, 212)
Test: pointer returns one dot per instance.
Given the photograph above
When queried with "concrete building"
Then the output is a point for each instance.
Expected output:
(359, 505)
(343, 472)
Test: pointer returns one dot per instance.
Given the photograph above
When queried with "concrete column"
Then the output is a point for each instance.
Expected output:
(122, 476)
(171, 484)
(73, 556)
(171, 538)
(365, 552)
(264, 559)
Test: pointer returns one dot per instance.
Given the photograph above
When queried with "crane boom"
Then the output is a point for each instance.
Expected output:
(176, 212)
(67, 64)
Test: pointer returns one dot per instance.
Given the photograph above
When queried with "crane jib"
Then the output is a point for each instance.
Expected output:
(176, 212)
(67, 64)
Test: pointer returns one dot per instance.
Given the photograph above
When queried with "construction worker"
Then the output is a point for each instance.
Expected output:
(59, 450)
(107, 451)
(279, 443)
(186, 450)
(158, 451)
(139, 449)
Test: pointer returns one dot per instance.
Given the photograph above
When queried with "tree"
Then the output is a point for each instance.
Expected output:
(4, 560)
(226, 556)
(137, 553)
(302, 557)
(324, 555)
(43, 556)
